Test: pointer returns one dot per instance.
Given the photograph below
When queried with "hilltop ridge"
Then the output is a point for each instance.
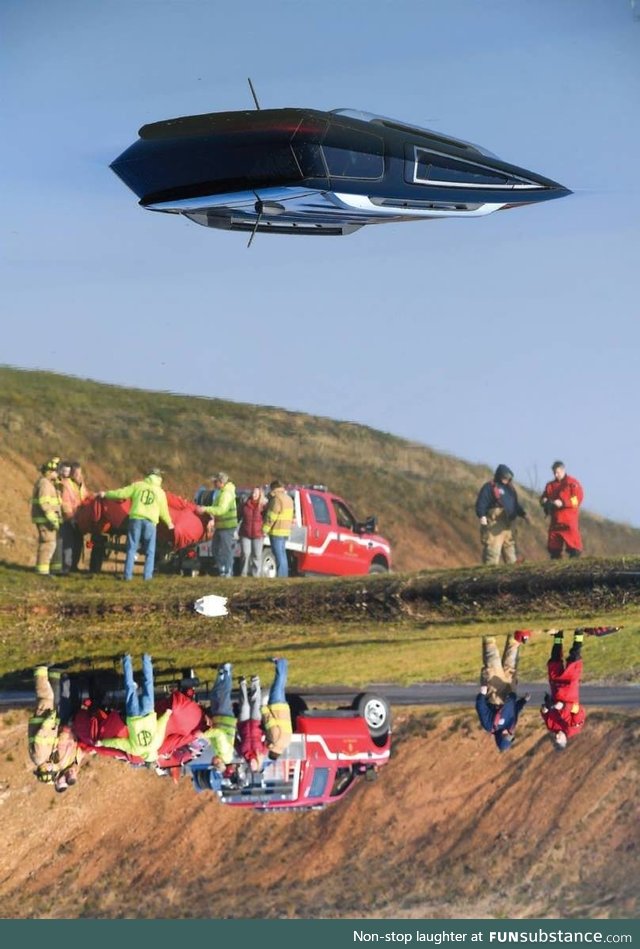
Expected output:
(423, 499)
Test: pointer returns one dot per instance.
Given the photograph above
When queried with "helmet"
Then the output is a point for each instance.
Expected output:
(51, 465)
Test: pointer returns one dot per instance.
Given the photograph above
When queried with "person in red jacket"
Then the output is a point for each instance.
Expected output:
(251, 533)
(561, 500)
(561, 711)
(250, 739)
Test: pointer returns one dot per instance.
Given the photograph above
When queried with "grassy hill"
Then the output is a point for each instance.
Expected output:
(424, 499)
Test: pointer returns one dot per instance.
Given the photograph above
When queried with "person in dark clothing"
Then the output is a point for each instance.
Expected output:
(497, 704)
(497, 508)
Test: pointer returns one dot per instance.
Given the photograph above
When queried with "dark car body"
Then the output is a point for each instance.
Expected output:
(304, 171)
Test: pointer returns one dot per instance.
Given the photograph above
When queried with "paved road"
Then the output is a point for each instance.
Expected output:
(425, 693)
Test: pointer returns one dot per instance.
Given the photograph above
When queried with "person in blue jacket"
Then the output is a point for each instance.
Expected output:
(497, 508)
(497, 704)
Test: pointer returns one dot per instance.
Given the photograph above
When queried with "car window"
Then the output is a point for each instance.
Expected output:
(344, 778)
(320, 509)
(319, 782)
(343, 516)
(350, 153)
(430, 166)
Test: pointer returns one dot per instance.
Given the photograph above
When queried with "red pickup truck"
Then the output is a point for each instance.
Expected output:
(326, 539)
(329, 752)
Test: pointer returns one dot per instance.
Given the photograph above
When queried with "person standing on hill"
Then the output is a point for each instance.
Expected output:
(497, 704)
(561, 500)
(497, 508)
(225, 515)
(46, 514)
(251, 535)
(73, 492)
(278, 522)
(148, 506)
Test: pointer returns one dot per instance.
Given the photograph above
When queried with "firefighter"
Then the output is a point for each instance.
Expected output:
(561, 500)
(46, 514)
(278, 521)
(53, 747)
(72, 493)
(148, 506)
(225, 515)
(497, 704)
(497, 508)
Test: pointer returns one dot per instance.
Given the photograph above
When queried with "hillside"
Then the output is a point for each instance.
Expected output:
(423, 499)
(450, 829)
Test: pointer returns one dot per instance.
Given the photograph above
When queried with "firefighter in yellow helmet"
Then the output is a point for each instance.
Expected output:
(46, 514)
(53, 747)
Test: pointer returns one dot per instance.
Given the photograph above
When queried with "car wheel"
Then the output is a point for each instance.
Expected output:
(268, 563)
(376, 712)
(190, 572)
(378, 568)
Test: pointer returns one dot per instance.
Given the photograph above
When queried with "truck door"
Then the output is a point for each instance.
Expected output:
(350, 548)
(319, 520)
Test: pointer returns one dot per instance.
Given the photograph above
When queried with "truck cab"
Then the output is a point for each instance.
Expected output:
(329, 752)
(327, 539)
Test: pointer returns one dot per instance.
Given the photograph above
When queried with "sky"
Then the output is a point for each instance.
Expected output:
(511, 339)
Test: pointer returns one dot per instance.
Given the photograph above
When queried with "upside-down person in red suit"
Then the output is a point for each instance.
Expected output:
(561, 711)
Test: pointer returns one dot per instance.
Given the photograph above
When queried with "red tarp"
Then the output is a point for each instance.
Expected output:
(101, 515)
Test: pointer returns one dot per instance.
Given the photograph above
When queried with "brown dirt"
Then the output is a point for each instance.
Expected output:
(451, 829)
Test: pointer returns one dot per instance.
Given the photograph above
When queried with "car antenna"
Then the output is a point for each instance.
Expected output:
(253, 93)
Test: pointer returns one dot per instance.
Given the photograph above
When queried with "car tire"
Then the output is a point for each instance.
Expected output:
(378, 568)
(190, 572)
(376, 712)
(268, 563)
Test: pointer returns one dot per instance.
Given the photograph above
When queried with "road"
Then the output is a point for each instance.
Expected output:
(424, 693)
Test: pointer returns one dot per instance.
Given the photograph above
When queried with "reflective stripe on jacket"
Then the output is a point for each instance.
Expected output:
(224, 508)
(278, 519)
(42, 737)
(45, 504)
(148, 500)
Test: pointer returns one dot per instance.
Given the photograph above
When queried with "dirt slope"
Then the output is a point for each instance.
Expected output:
(451, 829)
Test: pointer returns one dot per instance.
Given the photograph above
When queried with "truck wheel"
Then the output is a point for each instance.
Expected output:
(268, 563)
(376, 712)
(378, 568)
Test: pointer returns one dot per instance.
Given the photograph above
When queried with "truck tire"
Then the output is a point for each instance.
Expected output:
(376, 712)
(378, 568)
(268, 563)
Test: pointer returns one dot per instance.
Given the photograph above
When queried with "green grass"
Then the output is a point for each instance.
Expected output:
(81, 622)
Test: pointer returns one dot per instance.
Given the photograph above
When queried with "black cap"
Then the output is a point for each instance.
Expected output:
(558, 464)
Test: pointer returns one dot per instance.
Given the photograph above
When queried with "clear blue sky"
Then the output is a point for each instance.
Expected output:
(512, 338)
